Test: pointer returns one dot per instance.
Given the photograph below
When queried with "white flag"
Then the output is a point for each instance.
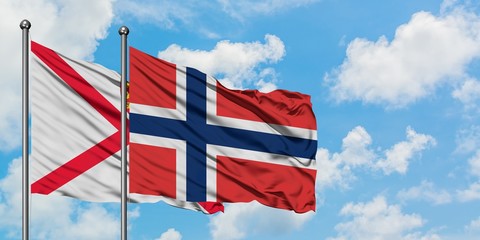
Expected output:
(76, 131)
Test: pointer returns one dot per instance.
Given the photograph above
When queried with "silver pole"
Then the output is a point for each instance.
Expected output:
(25, 26)
(123, 31)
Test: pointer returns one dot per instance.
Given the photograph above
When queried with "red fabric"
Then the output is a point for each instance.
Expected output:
(148, 74)
(240, 180)
(278, 107)
(154, 171)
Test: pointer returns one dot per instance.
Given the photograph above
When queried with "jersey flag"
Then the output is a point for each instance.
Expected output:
(192, 139)
(75, 131)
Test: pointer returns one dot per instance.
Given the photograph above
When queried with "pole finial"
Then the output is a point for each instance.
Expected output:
(123, 30)
(25, 24)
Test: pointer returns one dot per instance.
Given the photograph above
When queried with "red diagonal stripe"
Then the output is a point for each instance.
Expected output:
(77, 83)
(77, 165)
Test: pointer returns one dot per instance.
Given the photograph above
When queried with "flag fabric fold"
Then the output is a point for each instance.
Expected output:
(192, 139)
(76, 131)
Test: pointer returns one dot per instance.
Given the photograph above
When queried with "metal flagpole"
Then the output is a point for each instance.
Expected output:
(123, 31)
(25, 26)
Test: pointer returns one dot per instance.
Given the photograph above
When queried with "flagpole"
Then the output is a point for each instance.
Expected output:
(25, 26)
(123, 31)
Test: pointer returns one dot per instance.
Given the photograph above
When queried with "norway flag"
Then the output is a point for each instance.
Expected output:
(193, 139)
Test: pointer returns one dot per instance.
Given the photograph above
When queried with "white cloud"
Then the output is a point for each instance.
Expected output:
(473, 226)
(52, 217)
(474, 163)
(134, 213)
(337, 168)
(468, 140)
(471, 231)
(377, 220)
(448, 5)
(61, 25)
(243, 219)
(242, 69)
(420, 236)
(468, 94)
(90, 222)
(357, 152)
(161, 12)
(331, 171)
(11, 195)
(411, 66)
(243, 9)
(170, 13)
(170, 234)
(470, 194)
(197, 15)
(425, 191)
(398, 157)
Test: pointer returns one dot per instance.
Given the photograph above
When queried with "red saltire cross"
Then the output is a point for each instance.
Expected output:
(97, 153)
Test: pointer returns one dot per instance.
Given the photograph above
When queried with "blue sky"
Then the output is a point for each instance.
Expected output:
(394, 84)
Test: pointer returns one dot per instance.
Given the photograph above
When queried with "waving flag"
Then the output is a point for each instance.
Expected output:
(193, 139)
(76, 131)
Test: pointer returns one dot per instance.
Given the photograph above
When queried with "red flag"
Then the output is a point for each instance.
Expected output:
(194, 140)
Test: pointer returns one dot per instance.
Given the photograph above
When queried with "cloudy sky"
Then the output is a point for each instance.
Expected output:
(395, 87)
